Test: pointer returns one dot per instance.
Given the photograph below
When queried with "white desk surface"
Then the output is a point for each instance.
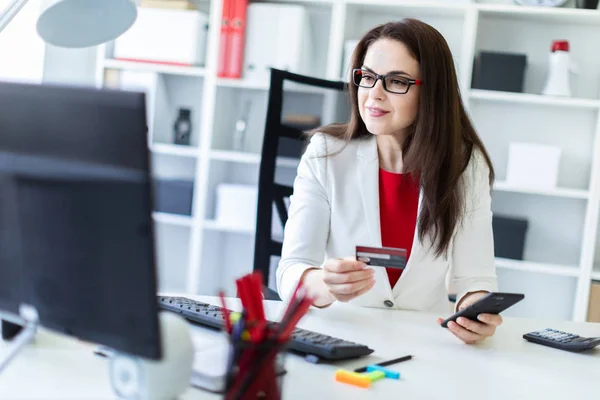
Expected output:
(503, 367)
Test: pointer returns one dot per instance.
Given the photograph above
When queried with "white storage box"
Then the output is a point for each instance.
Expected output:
(236, 206)
(165, 36)
(267, 47)
(533, 165)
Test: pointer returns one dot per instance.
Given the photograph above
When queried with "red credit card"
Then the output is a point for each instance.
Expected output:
(382, 256)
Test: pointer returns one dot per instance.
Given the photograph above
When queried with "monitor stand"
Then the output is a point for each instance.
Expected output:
(20, 332)
(9, 330)
(136, 378)
(131, 377)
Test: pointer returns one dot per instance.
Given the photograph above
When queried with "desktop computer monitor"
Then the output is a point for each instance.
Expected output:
(76, 230)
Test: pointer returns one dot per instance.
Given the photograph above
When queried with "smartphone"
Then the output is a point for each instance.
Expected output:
(492, 303)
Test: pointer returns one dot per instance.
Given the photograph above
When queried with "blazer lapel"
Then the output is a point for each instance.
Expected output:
(368, 184)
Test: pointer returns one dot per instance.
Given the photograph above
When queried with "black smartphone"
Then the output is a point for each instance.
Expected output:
(492, 303)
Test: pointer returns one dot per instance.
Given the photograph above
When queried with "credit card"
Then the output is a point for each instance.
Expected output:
(382, 256)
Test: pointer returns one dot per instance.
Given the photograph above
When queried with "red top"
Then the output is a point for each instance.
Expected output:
(398, 207)
(560, 45)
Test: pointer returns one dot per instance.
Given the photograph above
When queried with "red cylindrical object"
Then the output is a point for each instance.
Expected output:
(254, 373)
(560, 45)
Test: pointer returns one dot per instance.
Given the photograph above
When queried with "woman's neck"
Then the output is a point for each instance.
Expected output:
(389, 149)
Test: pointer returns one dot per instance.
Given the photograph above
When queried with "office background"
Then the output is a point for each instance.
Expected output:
(207, 249)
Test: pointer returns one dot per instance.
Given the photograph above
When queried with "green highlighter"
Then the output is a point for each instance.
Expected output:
(375, 375)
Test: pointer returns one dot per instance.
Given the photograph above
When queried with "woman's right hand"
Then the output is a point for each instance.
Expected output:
(347, 278)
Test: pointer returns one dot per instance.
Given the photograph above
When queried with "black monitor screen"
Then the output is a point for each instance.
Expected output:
(76, 233)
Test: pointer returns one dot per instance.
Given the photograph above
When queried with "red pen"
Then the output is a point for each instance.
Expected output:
(242, 293)
(257, 295)
(292, 301)
(245, 290)
(249, 283)
(298, 314)
(225, 312)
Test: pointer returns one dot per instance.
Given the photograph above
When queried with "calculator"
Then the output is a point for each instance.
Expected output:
(562, 340)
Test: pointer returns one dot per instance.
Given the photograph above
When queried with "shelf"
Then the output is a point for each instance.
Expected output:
(264, 86)
(534, 99)
(235, 156)
(453, 8)
(542, 14)
(431, 8)
(216, 226)
(287, 162)
(250, 158)
(558, 192)
(174, 150)
(552, 269)
(318, 3)
(213, 225)
(154, 67)
(173, 219)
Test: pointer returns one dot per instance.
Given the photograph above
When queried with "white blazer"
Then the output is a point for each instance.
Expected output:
(335, 207)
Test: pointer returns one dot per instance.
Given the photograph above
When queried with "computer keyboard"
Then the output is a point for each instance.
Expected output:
(303, 341)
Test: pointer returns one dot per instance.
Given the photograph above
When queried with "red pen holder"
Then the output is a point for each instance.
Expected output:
(255, 371)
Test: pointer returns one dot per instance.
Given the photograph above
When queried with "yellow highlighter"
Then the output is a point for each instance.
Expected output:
(235, 317)
(352, 378)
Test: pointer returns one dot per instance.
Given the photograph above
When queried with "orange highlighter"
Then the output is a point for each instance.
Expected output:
(352, 378)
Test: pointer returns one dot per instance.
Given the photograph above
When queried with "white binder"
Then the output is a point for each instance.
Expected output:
(267, 47)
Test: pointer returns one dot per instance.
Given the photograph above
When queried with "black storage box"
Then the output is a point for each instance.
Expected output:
(173, 196)
(499, 71)
(509, 237)
(295, 147)
(292, 148)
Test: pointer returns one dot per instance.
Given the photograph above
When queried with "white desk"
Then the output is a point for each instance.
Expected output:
(504, 367)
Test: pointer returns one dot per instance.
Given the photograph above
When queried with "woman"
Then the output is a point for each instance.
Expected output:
(408, 171)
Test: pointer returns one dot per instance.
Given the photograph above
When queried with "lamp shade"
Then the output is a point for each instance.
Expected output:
(84, 23)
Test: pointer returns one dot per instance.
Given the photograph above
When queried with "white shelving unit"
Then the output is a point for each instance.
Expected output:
(172, 219)
(174, 150)
(216, 226)
(198, 254)
(533, 99)
(502, 186)
(561, 270)
(157, 68)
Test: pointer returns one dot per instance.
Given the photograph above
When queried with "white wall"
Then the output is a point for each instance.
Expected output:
(21, 49)
(72, 66)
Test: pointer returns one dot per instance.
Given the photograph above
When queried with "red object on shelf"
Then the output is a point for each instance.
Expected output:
(237, 39)
(560, 45)
(142, 61)
(225, 38)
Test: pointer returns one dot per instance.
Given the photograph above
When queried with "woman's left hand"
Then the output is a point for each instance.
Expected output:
(472, 332)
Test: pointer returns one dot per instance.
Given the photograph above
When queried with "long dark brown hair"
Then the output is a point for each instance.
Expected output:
(440, 141)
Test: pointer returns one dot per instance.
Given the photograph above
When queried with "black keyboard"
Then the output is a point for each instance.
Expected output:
(562, 340)
(302, 341)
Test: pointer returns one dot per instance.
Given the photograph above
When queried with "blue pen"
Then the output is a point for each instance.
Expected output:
(235, 347)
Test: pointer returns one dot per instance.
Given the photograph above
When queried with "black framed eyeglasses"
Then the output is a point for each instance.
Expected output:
(392, 83)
